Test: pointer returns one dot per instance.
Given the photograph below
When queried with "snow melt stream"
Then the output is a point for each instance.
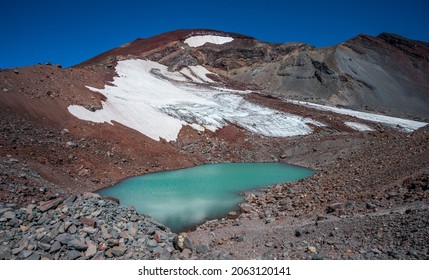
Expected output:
(149, 98)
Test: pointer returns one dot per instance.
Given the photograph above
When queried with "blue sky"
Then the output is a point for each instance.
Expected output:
(69, 32)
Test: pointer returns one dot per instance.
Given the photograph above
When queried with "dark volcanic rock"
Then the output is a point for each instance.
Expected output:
(79, 239)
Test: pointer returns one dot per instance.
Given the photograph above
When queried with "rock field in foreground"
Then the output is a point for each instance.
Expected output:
(83, 227)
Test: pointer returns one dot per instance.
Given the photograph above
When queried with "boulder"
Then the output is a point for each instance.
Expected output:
(246, 208)
(9, 215)
(91, 251)
(55, 247)
(182, 241)
(64, 238)
(118, 251)
(78, 245)
(88, 222)
(46, 205)
(114, 199)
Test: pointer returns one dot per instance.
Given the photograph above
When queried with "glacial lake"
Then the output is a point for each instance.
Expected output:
(184, 198)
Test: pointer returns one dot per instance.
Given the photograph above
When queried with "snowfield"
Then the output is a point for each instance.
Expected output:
(149, 98)
(198, 41)
(398, 123)
(358, 126)
(197, 74)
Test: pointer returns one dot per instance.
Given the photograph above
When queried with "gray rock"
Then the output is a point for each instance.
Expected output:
(4, 210)
(58, 232)
(186, 254)
(246, 208)
(376, 251)
(72, 229)
(202, 249)
(46, 205)
(151, 243)
(46, 239)
(70, 200)
(34, 257)
(317, 257)
(370, 205)
(99, 256)
(90, 230)
(105, 233)
(9, 215)
(84, 172)
(87, 195)
(112, 242)
(64, 238)
(55, 247)
(25, 254)
(413, 252)
(91, 251)
(124, 235)
(43, 246)
(115, 200)
(334, 207)
(14, 222)
(133, 231)
(70, 144)
(78, 245)
(73, 254)
(5, 253)
(114, 234)
(13, 161)
(118, 251)
(133, 218)
(47, 257)
(16, 251)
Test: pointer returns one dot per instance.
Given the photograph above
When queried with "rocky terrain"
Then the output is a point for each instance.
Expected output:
(368, 200)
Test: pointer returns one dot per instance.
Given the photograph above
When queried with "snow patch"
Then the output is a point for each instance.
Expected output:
(141, 98)
(358, 126)
(398, 123)
(197, 74)
(198, 41)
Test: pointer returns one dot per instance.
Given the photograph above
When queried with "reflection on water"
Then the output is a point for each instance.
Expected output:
(187, 197)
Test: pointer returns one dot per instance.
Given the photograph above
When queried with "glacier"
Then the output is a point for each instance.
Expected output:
(149, 98)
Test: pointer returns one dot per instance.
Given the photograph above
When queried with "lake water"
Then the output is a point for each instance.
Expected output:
(187, 197)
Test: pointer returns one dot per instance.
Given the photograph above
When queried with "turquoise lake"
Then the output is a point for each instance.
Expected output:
(184, 198)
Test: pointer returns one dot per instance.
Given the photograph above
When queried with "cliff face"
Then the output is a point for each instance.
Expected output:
(387, 73)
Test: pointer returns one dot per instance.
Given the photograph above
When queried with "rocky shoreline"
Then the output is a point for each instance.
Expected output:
(89, 226)
(270, 228)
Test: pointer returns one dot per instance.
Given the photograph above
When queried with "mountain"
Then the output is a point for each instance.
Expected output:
(387, 73)
(355, 112)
